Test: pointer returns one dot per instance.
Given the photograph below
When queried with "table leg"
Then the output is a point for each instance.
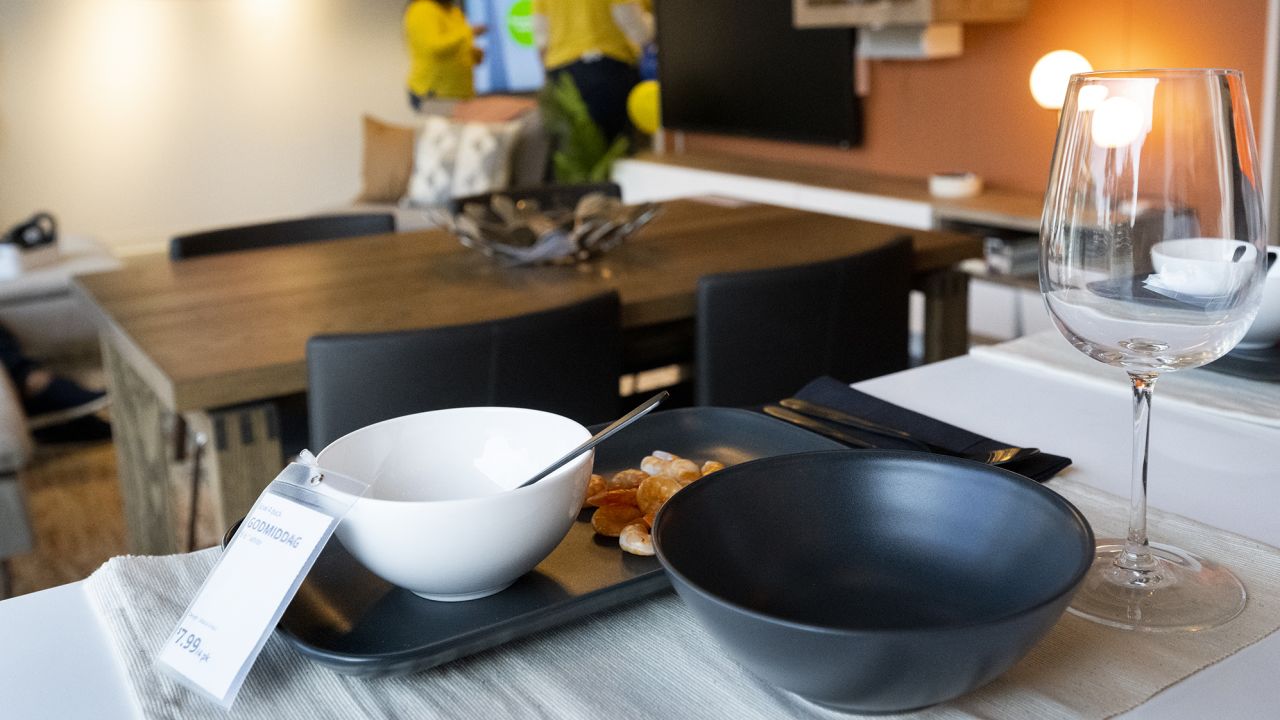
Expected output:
(243, 456)
(946, 314)
(143, 457)
(157, 479)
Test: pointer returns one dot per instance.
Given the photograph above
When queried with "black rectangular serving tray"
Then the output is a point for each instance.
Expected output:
(352, 621)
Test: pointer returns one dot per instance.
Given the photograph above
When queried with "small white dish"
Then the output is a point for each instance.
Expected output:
(955, 185)
(445, 517)
(1202, 267)
(1265, 331)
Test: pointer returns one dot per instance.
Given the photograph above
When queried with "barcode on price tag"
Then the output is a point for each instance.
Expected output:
(221, 633)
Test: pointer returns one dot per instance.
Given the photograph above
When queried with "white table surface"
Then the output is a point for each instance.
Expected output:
(1219, 471)
(55, 661)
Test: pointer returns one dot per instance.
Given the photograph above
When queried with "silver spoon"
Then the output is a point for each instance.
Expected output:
(599, 437)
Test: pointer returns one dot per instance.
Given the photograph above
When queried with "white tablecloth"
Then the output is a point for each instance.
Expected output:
(1199, 390)
(653, 658)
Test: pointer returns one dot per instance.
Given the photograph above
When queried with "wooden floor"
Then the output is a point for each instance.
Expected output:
(73, 499)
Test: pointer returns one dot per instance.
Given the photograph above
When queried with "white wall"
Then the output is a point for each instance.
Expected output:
(134, 120)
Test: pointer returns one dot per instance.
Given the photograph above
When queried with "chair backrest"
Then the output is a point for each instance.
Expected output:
(284, 232)
(547, 196)
(761, 335)
(564, 360)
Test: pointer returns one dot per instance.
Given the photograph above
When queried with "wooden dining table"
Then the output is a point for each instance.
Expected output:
(205, 347)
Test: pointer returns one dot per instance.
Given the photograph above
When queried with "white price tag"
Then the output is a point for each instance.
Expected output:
(218, 638)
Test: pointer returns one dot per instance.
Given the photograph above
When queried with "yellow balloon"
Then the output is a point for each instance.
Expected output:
(643, 106)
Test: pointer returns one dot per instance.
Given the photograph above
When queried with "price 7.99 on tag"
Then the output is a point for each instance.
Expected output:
(219, 637)
(191, 642)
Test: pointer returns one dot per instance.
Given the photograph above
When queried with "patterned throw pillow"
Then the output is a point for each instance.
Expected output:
(434, 155)
(484, 157)
(452, 159)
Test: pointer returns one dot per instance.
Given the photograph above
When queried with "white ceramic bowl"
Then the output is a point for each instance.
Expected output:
(1202, 266)
(444, 518)
(1265, 330)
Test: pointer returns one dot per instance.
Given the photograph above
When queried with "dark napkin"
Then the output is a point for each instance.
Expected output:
(835, 394)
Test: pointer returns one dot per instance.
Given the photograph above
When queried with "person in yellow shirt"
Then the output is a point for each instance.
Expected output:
(442, 51)
(597, 43)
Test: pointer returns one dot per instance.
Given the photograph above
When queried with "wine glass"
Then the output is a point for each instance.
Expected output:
(1153, 260)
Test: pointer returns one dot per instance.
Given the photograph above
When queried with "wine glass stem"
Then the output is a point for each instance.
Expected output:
(1136, 563)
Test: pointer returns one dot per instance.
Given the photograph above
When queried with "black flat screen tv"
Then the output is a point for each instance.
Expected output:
(741, 67)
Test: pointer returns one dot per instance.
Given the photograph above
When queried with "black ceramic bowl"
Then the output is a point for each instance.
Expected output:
(873, 581)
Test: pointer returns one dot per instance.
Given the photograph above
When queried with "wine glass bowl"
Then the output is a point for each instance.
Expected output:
(1153, 260)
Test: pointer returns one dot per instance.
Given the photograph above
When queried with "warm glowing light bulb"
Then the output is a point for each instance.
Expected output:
(1051, 73)
(266, 10)
(1118, 121)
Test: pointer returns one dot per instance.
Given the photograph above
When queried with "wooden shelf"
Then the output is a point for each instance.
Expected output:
(1004, 209)
(865, 13)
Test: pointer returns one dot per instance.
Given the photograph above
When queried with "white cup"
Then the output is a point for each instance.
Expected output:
(1265, 330)
(1204, 267)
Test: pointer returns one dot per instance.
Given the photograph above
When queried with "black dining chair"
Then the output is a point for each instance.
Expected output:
(761, 335)
(563, 360)
(283, 232)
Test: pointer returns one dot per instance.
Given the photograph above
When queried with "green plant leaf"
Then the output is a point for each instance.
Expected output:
(582, 153)
(600, 171)
(566, 170)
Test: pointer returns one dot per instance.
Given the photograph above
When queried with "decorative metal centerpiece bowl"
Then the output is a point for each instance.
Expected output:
(522, 232)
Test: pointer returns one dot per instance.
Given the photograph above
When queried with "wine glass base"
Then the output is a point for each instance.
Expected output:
(1182, 591)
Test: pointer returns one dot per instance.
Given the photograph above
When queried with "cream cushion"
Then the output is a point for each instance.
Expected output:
(434, 154)
(388, 160)
(453, 158)
(484, 157)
